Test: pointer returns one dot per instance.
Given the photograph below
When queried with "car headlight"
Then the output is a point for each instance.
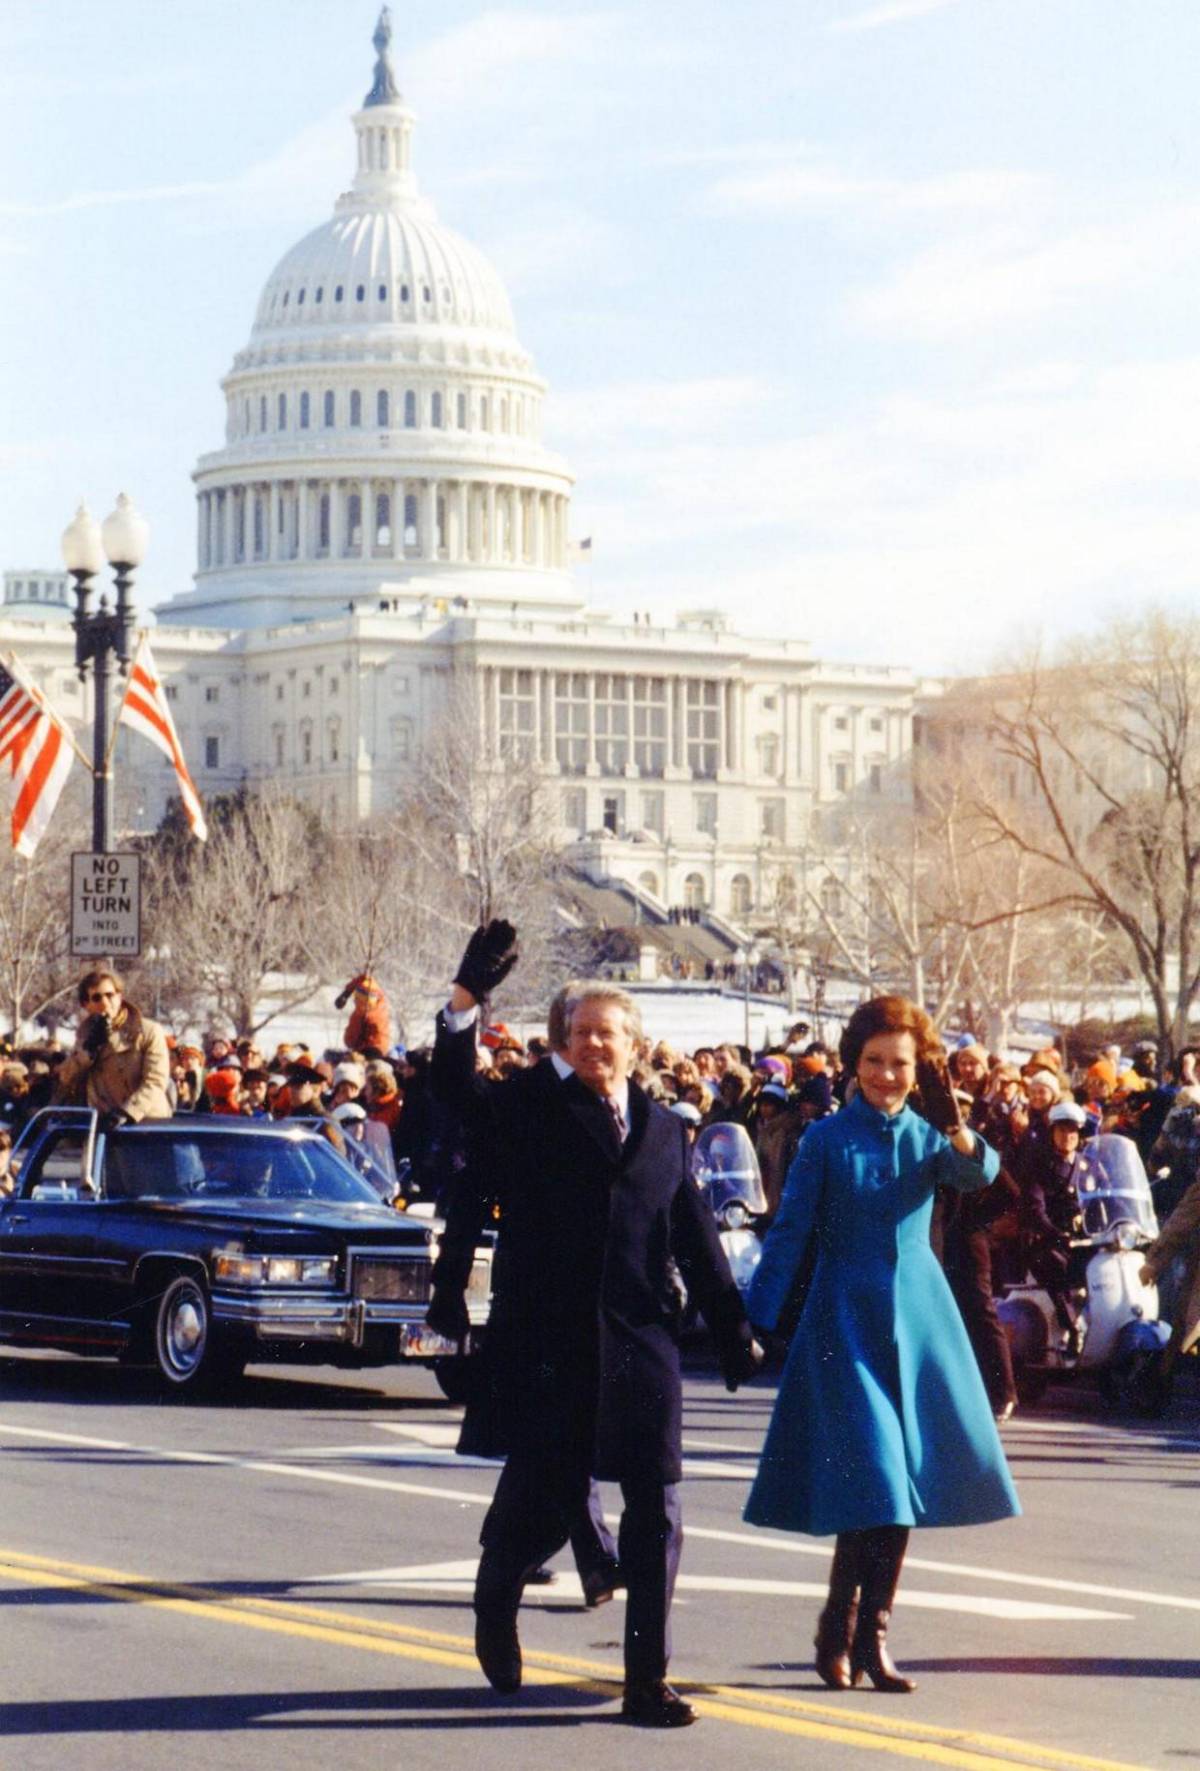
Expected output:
(275, 1269)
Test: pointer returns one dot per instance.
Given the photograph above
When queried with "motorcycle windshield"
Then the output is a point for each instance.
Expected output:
(1112, 1186)
(725, 1166)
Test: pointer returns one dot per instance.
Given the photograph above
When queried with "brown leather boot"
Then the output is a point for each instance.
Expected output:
(882, 1557)
(836, 1624)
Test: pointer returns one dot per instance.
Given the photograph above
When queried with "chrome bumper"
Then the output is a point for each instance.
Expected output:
(345, 1321)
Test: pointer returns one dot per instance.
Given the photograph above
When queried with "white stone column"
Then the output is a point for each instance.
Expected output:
(474, 523)
(201, 551)
(678, 723)
(337, 507)
(491, 553)
(397, 496)
(428, 535)
(462, 540)
(273, 549)
(518, 526)
(303, 522)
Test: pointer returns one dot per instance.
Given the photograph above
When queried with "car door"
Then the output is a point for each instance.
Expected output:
(49, 1288)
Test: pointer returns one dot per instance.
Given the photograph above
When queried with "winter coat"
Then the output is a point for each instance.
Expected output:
(881, 1417)
(1181, 1235)
(581, 1350)
(131, 1074)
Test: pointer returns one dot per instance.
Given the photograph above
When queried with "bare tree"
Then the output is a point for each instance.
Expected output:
(37, 972)
(1103, 793)
(240, 907)
(478, 819)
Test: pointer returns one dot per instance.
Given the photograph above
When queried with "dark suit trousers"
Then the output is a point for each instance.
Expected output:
(530, 1519)
(969, 1270)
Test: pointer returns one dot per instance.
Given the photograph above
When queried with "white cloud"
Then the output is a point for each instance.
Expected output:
(895, 12)
(624, 413)
(1013, 273)
(929, 532)
(799, 182)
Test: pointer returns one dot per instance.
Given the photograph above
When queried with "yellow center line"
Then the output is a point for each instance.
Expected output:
(932, 1745)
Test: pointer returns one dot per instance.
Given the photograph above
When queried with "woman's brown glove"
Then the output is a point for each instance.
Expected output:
(938, 1102)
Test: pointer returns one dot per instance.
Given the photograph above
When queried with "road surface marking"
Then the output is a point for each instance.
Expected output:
(459, 1577)
(759, 1539)
(927, 1743)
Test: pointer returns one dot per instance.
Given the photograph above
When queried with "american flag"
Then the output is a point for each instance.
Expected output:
(38, 750)
(144, 707)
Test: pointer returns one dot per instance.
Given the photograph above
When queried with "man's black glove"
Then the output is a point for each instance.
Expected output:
(97, 1034)
(490, 955)
(938, 1102)
(739, 1361)
(113, 1119)
(447, 1314)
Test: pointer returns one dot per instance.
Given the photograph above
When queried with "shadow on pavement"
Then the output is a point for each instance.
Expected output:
(387, 1707)
(102, 1384)
(1080, 1666)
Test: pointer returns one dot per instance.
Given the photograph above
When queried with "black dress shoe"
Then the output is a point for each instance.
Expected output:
(656, 1705)
(498, 1650)
(541, 1577)
(599, 1584)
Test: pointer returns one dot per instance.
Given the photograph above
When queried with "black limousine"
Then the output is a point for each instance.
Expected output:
(200, 1244)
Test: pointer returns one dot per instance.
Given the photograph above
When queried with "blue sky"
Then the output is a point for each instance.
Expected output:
(871, 321)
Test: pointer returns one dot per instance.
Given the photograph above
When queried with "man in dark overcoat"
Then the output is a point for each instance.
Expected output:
(580, 1370)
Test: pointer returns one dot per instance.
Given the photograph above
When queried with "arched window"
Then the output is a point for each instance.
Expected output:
(304, 411)
(259, 527)
(483, 412)
(383, 520)
(410, 520)
(327, 409)
(741, 895)
(334, 736)
(262, 412)
(435, 411)
(306, 742)
(693, 892)
(461, 412)
(649, 883)
(355, 410)
(504, 413)
(441, 523)
(353, 523)
(360, 294)
(282, 412)
(323, 524)
(382, 409)
(410, 410)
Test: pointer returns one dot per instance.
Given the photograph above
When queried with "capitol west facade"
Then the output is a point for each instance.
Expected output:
(384, 517)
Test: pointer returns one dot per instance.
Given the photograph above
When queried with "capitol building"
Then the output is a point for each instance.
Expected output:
(385, 516)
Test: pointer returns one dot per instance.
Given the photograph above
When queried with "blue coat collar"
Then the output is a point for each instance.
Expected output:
(877, 1120)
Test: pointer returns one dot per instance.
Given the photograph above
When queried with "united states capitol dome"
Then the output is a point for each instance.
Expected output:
(383, 423)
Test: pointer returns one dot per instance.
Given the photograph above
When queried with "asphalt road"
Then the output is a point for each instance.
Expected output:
(284, 1580)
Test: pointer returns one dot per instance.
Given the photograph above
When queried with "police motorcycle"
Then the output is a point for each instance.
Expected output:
(1117, 1335)
(725, 1168)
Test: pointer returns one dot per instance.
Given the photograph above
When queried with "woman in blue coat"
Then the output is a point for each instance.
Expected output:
(882, 1421)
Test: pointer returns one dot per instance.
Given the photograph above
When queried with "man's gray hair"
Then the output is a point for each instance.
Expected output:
(597, 990)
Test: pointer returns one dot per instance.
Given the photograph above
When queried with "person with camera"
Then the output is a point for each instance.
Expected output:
(120, 1065)
(580, 1369)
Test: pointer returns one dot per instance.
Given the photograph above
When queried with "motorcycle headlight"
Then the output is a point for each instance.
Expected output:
(735, 1215)
(275, 1269)
(1127, 1235)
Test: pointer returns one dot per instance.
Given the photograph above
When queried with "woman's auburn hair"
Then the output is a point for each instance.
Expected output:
(888, 1014)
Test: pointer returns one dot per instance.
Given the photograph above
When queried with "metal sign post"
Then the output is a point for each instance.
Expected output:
(106, 906)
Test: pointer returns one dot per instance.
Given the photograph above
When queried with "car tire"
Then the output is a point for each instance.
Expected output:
(184, 1353)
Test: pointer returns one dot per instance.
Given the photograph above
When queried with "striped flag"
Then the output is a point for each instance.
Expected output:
(38, 750)
(144, 707)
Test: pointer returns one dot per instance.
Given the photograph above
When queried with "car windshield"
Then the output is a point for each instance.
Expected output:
(178, 1166)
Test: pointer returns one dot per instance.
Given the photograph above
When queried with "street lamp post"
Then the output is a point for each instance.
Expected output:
(746, 957)
(103, 633)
